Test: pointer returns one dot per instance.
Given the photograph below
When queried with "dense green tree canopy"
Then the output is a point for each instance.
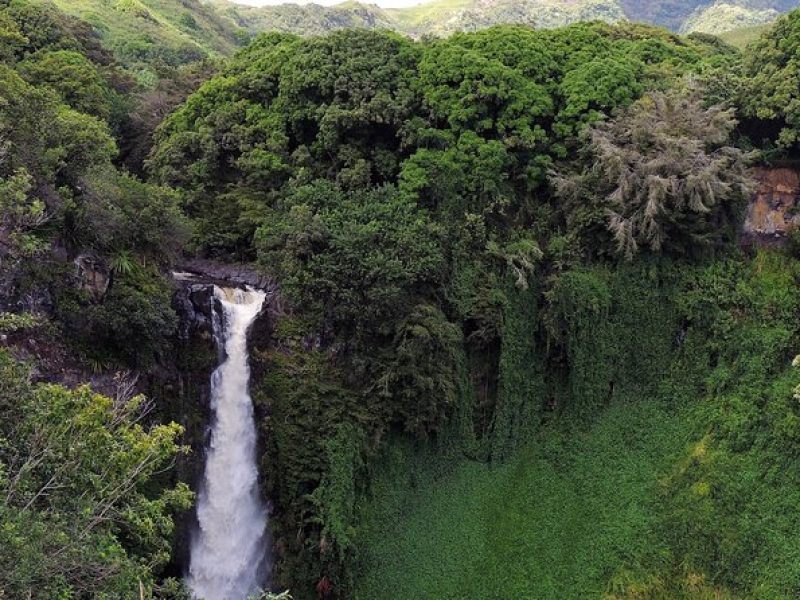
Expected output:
(73, 77)
(772, 71)
(365, 109)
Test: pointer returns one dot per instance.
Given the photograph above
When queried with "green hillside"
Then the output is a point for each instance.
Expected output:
(561, 528)
(662, 496)
(666, 13)
(722, 17)
(740, 38)
(440, 17)
(144, 33)
(448, 16)
(305, 20)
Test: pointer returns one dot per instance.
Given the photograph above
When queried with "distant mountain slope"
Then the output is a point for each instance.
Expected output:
(666, 13)
(146, 33)
(727, 15)
(740, 38)
(310, 19)
(142, 33)
(449, 16)
(440, 17)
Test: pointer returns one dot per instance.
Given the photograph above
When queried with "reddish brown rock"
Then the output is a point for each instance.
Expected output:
(775, 207)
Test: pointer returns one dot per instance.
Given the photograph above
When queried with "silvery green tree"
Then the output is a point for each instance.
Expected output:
(661, 175)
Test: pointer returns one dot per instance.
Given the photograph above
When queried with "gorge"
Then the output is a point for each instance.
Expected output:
(507, 313)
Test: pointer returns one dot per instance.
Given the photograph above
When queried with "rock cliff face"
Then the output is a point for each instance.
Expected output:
(775, 207)
(92, 275)
(201, 270)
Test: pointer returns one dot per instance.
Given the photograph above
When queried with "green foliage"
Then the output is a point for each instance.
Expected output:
(77, 517)
(73, 77)
(22, 215)
(661, 175)
(135, 307)
(521, 386)
(746, 432)
(771, 68)
(11, 322)
(553, 521)
(144, 35)
(721, 17)
(307, 20)
(336, 496)
(578, 300)
(310, 408)
(51, 141)
(358, 258)
(11, 38)
(682, 484)
(59, 188)
(416, 380)
(597, 86)
(742, 37)
(472, 107)
(120, 215)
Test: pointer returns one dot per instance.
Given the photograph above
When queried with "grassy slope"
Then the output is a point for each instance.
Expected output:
(723, 17)
(141, 32)
(557, 522)
(305, 20)
(427, 13)
(687, 491)
(740, 38)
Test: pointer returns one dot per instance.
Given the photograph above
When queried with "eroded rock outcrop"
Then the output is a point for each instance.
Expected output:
(225, 273)
(775, 207)
(92, 275)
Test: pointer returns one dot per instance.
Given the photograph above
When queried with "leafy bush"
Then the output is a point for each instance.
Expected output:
(78, 518)
(132, 324)
(772, 80)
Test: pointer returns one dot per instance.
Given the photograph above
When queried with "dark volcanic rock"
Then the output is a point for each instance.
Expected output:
(92, 275)
(194, 299)
(225, 273)
(193, 302)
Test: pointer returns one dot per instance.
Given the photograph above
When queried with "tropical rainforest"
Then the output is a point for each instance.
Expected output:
(522, 344)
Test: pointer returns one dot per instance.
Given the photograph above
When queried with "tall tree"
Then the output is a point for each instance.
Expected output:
(661, 175)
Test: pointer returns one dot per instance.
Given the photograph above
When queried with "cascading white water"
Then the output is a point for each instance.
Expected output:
(229, 548)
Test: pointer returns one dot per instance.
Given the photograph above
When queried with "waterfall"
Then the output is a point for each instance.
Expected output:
(229, 548)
